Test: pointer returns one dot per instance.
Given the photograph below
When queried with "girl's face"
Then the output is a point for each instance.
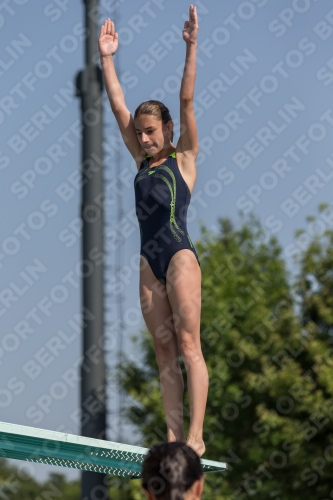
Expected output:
(152, 133)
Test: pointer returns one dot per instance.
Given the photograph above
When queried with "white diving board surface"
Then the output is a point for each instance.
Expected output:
(77, 452)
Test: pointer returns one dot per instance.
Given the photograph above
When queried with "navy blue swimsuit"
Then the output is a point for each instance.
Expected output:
(161, 199)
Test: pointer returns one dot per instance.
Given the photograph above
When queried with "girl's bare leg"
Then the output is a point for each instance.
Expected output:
(158, 317)
(184, 292)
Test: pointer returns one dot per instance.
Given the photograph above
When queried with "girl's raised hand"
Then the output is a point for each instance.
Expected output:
(108, 39)
(191, 27)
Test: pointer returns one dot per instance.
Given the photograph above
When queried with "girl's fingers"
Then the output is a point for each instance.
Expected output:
(108, 28)
(194, 14)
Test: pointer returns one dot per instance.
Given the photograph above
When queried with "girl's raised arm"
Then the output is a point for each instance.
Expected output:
(188, 141)
(108, 45)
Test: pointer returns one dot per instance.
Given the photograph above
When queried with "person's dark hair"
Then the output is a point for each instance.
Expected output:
(170, 469)
(154, 108)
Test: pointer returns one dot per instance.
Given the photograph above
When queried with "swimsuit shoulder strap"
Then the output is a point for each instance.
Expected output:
(146, 159)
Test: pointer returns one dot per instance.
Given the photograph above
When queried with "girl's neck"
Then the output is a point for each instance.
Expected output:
(164, 153)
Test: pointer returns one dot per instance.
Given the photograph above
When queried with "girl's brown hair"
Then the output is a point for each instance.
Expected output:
(170, 469)
(154, 108)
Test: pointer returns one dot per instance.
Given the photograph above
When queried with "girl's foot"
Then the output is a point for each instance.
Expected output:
(196, 444)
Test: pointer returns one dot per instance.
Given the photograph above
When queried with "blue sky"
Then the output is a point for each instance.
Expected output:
(265, 123)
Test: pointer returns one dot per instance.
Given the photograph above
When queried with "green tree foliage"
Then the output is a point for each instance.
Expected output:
(18, 483)
(267, 344)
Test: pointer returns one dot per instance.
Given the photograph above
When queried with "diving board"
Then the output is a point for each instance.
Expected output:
(77, 452)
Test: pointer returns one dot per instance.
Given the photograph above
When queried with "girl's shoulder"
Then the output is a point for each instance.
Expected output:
(141, 160)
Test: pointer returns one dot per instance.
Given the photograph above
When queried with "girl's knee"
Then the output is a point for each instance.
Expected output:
(190, 351)
(165, 354)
